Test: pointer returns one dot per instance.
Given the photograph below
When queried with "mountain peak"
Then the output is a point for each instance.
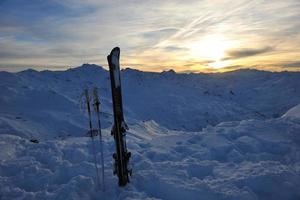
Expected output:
(170, 71)
(86, 67)
(89, 65)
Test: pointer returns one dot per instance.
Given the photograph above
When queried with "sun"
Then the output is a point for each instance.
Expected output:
(211, 48)
(219, 64)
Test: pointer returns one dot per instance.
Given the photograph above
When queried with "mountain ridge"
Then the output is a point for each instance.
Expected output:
(133, 69)
(176, 101)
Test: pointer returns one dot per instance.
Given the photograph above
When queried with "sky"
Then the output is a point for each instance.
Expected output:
(154, 35)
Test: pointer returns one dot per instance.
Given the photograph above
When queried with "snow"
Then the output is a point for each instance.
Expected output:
(190, 137)
(293, 113)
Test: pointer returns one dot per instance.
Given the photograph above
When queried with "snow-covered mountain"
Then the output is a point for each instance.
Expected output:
(230, 135)
(49, 102)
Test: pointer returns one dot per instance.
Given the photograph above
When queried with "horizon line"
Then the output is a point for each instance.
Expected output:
(62, 68)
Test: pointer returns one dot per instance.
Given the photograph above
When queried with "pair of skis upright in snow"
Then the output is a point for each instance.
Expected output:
(119, 128)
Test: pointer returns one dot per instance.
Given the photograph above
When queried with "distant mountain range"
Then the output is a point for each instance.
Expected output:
(32, 102)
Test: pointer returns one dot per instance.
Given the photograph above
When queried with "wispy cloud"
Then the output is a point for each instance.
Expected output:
(292, 65)
(241, 53)
(153, 35)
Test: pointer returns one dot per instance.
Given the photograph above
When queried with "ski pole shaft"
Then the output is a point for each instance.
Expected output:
(101, 149)
(97, 106)
(91, 132)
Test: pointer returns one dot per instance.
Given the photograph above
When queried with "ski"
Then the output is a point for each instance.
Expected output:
(119, 128)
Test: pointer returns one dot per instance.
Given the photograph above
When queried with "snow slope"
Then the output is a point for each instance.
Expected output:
(176, 101)
(218, 136)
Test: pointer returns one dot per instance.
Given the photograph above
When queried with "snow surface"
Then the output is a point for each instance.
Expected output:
(193, 136)
(293, 113)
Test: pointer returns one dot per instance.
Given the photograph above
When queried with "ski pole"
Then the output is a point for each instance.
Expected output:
(97, 104)
(91, 132)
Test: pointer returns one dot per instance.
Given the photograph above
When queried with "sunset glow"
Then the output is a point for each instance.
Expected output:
(211, 48)
(193, 36)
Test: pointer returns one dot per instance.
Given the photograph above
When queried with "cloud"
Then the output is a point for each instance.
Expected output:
(174, 48)
(241, 53)
(292, 65)
(151, 34)
(159, 33)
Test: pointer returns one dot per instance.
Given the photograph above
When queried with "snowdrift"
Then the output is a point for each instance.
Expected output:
(293, 113)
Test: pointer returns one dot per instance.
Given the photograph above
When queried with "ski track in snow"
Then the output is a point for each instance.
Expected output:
(243, 159)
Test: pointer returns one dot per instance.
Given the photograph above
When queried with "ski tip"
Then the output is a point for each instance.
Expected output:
(116, 49)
